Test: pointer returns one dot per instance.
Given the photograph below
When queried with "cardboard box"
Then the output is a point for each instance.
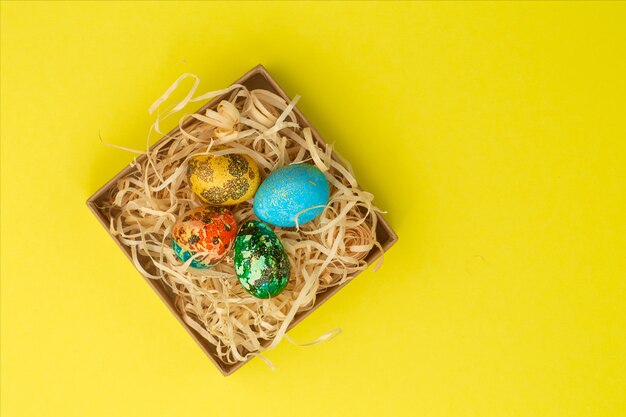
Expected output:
(258, 77)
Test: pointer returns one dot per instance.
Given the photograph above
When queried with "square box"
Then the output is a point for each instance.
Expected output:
(258, 77)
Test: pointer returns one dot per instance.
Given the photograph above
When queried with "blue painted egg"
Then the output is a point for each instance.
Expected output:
(290, 190)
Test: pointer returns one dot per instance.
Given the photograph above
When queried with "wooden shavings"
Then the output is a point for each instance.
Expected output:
(323, 253)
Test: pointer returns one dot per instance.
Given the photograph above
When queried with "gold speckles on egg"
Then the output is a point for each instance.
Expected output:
(223, 180)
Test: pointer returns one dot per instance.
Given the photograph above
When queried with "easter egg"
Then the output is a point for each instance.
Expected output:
(290, 190)
(209, 231)
(261, 263)
(223, 180)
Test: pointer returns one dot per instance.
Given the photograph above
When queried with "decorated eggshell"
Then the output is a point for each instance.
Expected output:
(209, 231)
(223, 180)
(290, 190)
(261, 263)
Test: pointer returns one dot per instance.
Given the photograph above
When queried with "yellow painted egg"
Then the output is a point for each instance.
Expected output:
(223, 180)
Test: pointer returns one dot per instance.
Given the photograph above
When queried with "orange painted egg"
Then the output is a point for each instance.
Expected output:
(206, 231)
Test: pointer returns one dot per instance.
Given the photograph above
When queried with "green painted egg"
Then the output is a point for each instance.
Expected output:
(261, 263)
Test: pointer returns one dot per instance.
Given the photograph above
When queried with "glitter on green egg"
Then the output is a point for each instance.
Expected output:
(261, 263)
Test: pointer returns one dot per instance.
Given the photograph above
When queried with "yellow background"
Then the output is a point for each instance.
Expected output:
(493, 134)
